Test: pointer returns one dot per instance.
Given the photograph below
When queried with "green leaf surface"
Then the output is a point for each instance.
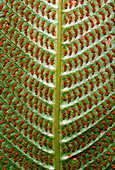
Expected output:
(57, 84)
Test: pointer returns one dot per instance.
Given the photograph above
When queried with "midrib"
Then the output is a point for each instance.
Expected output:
(57, 90)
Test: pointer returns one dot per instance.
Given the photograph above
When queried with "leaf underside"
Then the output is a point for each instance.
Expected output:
(32, 37)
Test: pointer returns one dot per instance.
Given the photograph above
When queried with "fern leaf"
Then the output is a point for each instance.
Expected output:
(57, 84)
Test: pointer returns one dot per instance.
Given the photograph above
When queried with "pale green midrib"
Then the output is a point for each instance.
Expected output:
(57, 90)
